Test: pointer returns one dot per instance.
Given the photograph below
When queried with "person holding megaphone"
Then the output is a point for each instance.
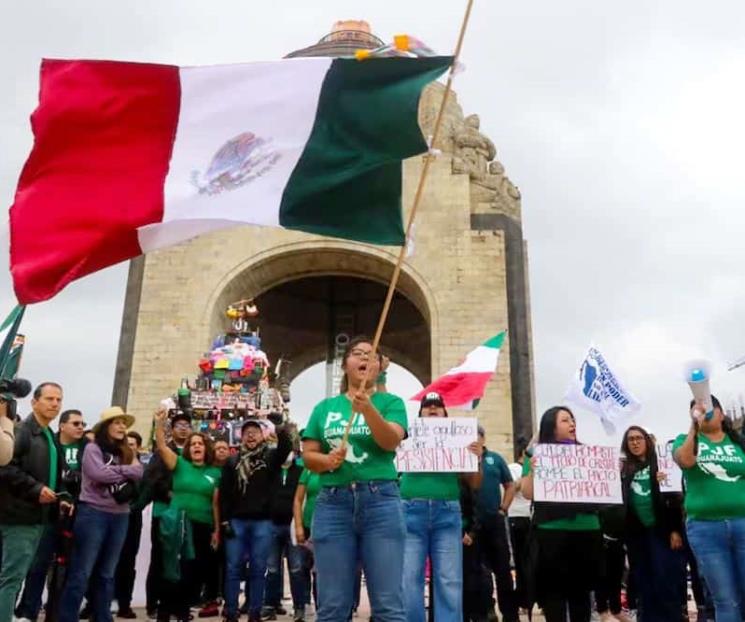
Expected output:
(712, 457)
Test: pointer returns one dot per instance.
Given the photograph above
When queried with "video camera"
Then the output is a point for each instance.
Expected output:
(12, 389)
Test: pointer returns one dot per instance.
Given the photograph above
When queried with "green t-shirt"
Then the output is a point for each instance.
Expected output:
(71, 453)
(53, 458)
(583, 521)
(193, 488)
(312, 483)
(641, 497)
(440, 486)
(365, 460)
(715, 486)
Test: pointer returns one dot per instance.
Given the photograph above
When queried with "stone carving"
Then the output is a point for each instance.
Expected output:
(475, 155)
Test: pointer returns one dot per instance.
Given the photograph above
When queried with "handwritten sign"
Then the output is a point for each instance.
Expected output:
(577, 474)
(673, 481)
(438, 445)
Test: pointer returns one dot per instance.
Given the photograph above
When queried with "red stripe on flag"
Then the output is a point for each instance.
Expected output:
(103, 135)
(458, 389)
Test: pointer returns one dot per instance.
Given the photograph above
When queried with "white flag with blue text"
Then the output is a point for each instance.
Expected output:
(597, 389)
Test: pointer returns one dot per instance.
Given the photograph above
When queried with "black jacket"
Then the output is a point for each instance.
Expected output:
(21, 481)
(157, 480)
(668, 507)
(283, 494)
(254, 501)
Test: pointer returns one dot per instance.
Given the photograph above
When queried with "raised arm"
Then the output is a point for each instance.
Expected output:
(169, 457)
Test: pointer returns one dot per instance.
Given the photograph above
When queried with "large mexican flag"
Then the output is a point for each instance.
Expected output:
(132, 157)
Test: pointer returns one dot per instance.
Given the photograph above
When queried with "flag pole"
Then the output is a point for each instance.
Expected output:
(417, 200)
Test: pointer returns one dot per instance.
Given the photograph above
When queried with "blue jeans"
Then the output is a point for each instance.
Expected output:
(282, 547)
(433, 529)
(99, 537)
(719, 547)
(660, 576)
(252, 542)
(30, 603)
(362, 522)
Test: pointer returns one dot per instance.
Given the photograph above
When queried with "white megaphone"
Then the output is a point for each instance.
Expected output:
(698, 375)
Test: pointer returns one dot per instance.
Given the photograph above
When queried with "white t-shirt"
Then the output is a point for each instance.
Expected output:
(520, 506)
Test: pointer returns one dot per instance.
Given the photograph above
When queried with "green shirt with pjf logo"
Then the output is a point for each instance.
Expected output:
(641, 497)
(366, 460)
(715, 485)
(71, 454)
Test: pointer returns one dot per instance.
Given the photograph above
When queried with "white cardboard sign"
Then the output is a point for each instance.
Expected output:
(439, 445)
(577, 474)
(673, 481)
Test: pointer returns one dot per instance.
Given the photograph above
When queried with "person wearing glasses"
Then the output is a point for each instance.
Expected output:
(358, 516)
(71, 443)
(158, 481)
(654, 523)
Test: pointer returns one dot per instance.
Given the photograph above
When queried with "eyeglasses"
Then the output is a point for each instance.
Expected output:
(77, 424)
(635, 439)
(181, 425)
(361, 353)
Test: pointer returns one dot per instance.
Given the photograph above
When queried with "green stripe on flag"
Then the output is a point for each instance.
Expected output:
(347, 182)
(13, 322)
(496, 342)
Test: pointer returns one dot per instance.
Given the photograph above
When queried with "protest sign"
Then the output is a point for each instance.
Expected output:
(673, 481)
(438, 445)
(577, 474)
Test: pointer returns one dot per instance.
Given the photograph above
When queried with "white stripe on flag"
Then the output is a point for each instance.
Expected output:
(269, 108)
(480, 360)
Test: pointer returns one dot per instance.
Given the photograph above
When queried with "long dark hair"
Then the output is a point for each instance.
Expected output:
(547, 428)
(119, 449)
(351, 345)
(727, 428)
(632, 464)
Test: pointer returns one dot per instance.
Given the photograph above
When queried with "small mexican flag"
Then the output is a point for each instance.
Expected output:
(463, 386)
(133, 157)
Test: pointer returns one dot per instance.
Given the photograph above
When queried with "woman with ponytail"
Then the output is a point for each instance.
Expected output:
(712, 456)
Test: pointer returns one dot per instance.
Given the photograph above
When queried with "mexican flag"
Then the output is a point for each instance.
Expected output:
(131, 157)
(463, 386)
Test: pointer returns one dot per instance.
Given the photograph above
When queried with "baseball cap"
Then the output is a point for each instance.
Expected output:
(433, 399)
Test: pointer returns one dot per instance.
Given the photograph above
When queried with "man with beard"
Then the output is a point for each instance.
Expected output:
(245, 510)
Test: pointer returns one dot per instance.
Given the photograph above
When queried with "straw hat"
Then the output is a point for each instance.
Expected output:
(114, 412)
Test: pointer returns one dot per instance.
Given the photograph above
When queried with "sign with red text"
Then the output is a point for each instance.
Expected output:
(438, 445)
(577, 474)
(673, 481)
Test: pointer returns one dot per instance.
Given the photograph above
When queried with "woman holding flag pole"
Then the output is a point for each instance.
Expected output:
(358, 513)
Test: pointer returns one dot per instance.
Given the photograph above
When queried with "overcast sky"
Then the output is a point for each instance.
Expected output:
(622, 124)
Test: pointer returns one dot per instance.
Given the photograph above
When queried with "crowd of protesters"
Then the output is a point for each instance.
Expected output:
(332, 504)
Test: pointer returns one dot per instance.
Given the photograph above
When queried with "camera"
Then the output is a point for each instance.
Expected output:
(12, 389)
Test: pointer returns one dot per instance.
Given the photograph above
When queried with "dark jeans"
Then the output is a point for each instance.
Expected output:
(154, 581)
(495, 548)
(282, 547)
(519, 530)
(252, 540)
(124, 577)
(608, 593)
(477, 586)
(660, 572)
(30, 603)
(99, 537)
(568, 567)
